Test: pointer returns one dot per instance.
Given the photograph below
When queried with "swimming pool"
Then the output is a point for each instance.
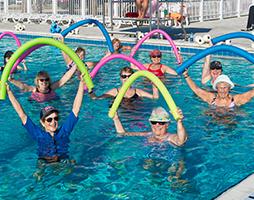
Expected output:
(216, 156)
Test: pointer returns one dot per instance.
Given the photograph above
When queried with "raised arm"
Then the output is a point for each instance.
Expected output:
(181, 136)
(206, 76)
(66, 58)
(67, 76)
(16, 105)
(109, 94)
(22, 86)
(244, 98)
(121, 130)
(79, 98)
(168, 70)
(143, 93)
(203, 94)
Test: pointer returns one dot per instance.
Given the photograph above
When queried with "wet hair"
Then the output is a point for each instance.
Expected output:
(216, 65)
(79, 50)
(7, 54)
(115, 40)
(126, 69)
(42, 74)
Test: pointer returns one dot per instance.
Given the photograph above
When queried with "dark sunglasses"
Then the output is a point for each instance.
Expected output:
(158, 56)
(50, 119)
(125, 76)
(44, 79)
(154, 122)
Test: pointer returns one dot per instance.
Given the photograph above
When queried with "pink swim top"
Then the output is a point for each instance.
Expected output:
(41, 97)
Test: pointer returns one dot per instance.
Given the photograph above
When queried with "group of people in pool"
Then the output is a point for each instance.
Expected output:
(53, 141)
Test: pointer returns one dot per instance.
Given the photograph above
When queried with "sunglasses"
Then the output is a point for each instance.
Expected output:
(216, 67)
(50, 119)
(44, 79)
(160, 123)
(125, 76)
(158, 56)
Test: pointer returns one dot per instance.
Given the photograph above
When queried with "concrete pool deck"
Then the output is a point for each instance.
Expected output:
(242, 191)
(214, 28)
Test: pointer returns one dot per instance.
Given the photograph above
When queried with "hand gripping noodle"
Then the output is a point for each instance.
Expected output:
(41, 42)
(150, 34)
(232, 36)
(91, 21)
(212, 50)
(156, 81)
(18, 44)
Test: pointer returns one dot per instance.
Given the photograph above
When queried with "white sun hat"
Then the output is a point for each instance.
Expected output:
(223, 78)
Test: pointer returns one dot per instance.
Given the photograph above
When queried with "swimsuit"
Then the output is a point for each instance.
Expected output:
(41, 97)
(157, 72)
(133, 97)
(231, 105)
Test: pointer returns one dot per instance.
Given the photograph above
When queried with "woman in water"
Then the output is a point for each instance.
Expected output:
(159, 122)
(44, 89)
(118, 47)
(222, 97)
(7, 57)
(131, 93)
(155, 66)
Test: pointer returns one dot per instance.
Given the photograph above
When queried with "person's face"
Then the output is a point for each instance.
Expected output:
(116, 46)
(159, 128)
(50, 123)
(156, 59)
(124, 76)
(81, 55)
(223, 89)
(43, 82)
(215, 73)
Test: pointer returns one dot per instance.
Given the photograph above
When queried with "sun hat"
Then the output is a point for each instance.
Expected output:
(48, 110)
(159, 114)
(223, 78)
(155, 52)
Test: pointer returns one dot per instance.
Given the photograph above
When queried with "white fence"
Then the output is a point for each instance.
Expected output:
(198, 10)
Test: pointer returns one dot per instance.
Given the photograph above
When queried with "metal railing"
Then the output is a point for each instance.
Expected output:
(198, 10)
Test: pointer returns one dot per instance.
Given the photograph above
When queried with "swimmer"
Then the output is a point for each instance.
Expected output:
(7, 57)
(159, 122)
(52, 139)
(222, 97)
(131, 93)
(44, 90)
(118, 47)
(156, 67)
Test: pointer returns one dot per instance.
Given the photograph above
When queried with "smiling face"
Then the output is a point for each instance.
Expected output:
(50, 123)
(156, 59)
(159, 128)
(215, 73)
(81, 55)
(223, 89)
(43, 83)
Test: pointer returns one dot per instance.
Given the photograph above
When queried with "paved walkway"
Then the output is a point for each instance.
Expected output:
(214, 28)
(242, 191)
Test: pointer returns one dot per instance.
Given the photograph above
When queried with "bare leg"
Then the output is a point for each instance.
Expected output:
(139, 7)
(145, 5)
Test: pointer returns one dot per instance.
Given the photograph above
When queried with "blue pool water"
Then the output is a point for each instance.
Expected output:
(217, 155)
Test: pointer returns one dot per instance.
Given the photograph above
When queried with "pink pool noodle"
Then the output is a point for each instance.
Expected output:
(140, 42)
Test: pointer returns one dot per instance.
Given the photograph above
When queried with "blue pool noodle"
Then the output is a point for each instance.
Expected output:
(233, 35)
(91, 21)
(212, 50)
